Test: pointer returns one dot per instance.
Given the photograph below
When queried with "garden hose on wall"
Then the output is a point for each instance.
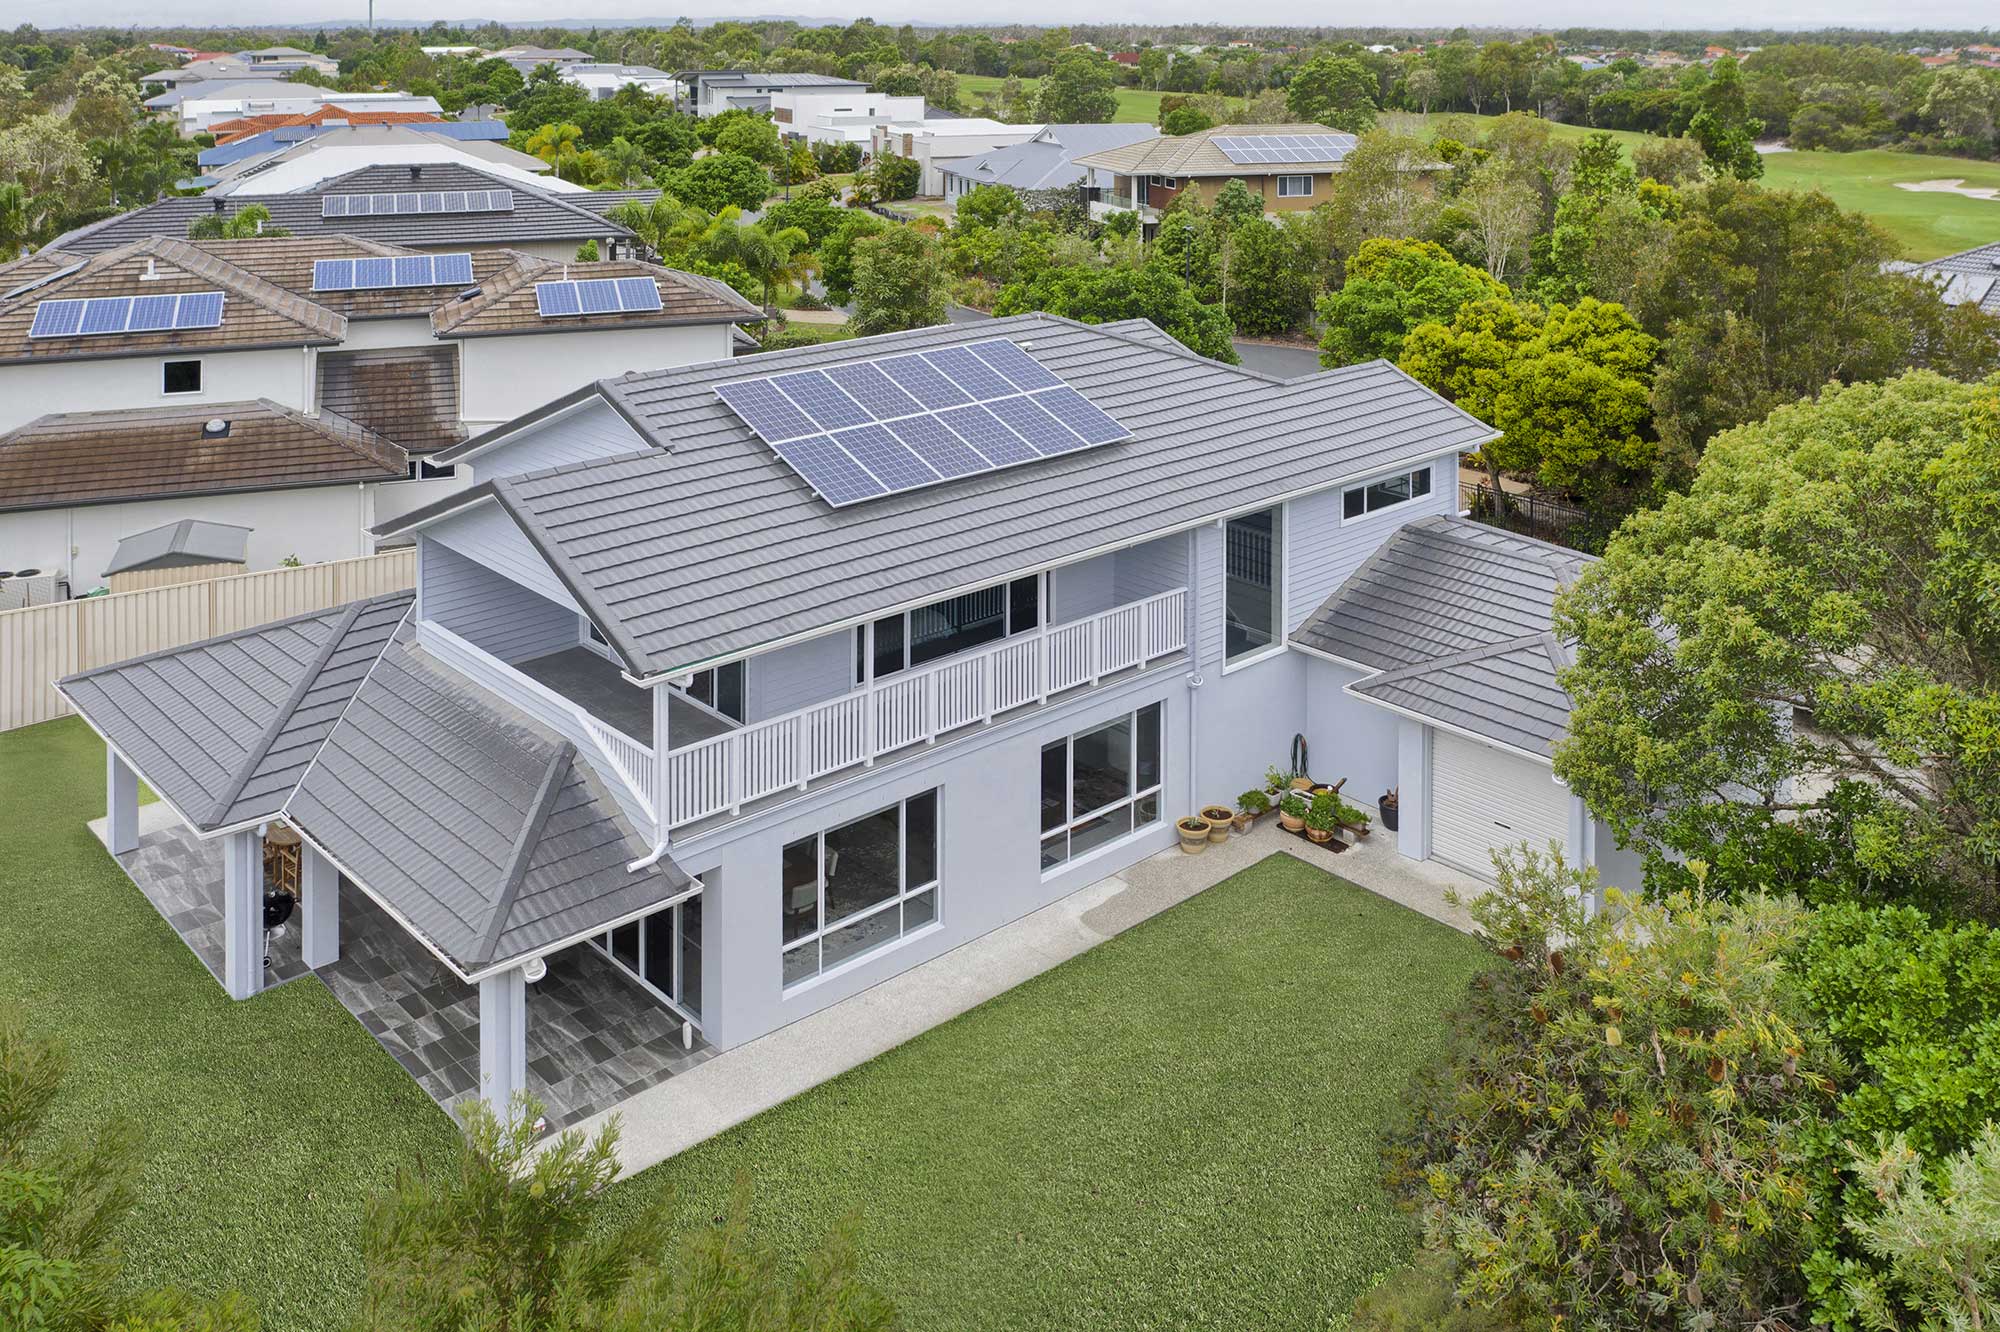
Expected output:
(1300, 765)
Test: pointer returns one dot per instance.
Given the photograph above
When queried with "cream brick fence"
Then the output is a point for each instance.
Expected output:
(41, 644)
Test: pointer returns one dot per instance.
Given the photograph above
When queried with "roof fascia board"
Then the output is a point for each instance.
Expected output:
(1221, 515)
(553, 410)
(1547, 761)
(684, 321)
(695, 889)
(377, 898)
(202, 350)
(95, 501)
(1367, 672)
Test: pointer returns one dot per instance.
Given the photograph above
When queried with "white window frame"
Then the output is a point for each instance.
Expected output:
(1393, 506)
(602, 943)
(1069, 824)
(200, 373)
(1305, 193)
(823, 927)
(1280, 577)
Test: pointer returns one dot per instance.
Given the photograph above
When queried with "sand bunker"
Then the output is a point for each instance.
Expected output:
(1956, 185)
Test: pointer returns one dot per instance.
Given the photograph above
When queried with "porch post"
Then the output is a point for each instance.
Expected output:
(1413, 797)
(319, 885)
(242, 913)
(503, 1039)
(121, 804)
(1581, 850)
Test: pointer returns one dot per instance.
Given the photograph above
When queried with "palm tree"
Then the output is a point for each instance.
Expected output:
(622, 160)
(669, 227)
(766, 255)
(558, 145)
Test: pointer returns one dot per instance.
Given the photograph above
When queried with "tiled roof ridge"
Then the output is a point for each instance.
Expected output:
(190, 258)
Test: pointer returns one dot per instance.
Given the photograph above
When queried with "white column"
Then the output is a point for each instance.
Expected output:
(1413, 795)
(319, 908)
(662, 742)
(503, 1039)
(121, 804)
(1581, 850)
(242, 914)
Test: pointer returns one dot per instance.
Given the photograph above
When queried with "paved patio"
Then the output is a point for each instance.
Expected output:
(595, 1038)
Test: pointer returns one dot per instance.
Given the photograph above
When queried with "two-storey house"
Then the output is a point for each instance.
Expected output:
(752, 685)
(1291, 166)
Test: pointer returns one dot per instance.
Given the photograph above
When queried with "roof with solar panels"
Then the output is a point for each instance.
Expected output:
(167, 295)
(1230, 150)
(795, 492)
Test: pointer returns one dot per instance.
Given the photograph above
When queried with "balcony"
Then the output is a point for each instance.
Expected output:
(916, 708)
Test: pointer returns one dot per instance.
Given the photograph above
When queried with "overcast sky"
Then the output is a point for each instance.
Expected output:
(1903, 15)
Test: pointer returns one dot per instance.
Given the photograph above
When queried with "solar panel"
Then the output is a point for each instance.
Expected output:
(374, 273)
(862, 429)
(638, 293)
(56, 319)
(430, 202)
(420, 201)
(333, 275)
(333, 205)
(1284, 147)
(201, 309)
(413, 270)
(453, 270)
(821, 399)
(102, 315)
(105, 315)
(597, 296)
(150, 314)
(556, 298)
(454, 202)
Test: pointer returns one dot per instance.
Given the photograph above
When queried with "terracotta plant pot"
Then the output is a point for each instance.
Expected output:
(1218, 818)
(1290, 822)
(1194, 835)
(1302, 783)
(1320, 834)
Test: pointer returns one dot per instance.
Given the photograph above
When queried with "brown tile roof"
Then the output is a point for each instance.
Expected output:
(288, 262)
(255, 312)
(1197, 155)
(102, 457)
(228, 131)
(508, 305)
(406, 394)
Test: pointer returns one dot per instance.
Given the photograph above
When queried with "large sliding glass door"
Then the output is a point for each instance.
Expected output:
(662, 952)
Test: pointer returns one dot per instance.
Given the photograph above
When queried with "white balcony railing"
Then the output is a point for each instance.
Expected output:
(625, 765)
(722, 774)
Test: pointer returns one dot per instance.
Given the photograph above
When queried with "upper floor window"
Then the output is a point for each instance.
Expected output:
(720, 688)
(1385, 493)
(956, 624)
(1252, 557)
(1295, 187)
(181, 377)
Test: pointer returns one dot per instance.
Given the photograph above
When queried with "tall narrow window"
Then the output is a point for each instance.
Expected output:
(855, 888)
(1251, 557)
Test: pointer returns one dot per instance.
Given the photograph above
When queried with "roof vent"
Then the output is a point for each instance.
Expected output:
(152, 273)
(416, 170)
(214, 428)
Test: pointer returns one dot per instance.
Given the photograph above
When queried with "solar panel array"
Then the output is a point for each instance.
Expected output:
(417, 201)
(871, 428)
(1966, 288)
(414, 270)
(1285, 147)
(126, 314)
(595, 296)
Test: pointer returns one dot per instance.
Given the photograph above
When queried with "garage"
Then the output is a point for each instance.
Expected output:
(1484, 798)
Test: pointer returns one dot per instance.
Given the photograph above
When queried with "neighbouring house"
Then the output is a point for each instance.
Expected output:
(602, 81)
(272, 165)
(1047, 162)
(476, 207)
(1292, 166)
(216, 68)
(710, 92)
(204, 105)
(938, 145)
(525, 59)
(732, 690)
(297, 387)
(228, 132)
(843, 115)
(1970, 277)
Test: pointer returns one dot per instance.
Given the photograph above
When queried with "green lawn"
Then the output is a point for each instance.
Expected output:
(1175, 1130)
(1925, 223)
(1136, 106)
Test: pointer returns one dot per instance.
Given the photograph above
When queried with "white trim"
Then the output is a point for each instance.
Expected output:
(1129, 801)
(1277, 649)
(1459, 731)
(1367, 514)
(1324, 655)
(500, 439)
(1307, 193)
(817, 936)
(201, 377)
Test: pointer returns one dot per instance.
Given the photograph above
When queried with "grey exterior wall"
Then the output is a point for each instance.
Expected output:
(1347, 737)
(489, 610)
(1143, 571)
(1322, 551)
(1083, 588)
(487, 536)
(799, 676)
(590, 432)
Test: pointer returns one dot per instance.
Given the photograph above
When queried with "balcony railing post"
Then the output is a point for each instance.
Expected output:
(733, 758)
(799, 751)
(1096, 636)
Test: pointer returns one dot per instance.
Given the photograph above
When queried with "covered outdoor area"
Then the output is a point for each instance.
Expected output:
(598, 685)
(594, 1036)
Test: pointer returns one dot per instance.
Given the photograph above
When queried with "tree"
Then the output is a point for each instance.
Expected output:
(899, 282)
(1392, 286)
(15, 231)
(1567, 387)
(1153, 291)
(48, 160)
(836, 253)
(246, 222)
(895, 177)
(719, 181)
(513, 1236)
(750, 136)
(1383, 189)
(1941, 1250)
(766, 253)
(1723, 126)
(1190, 117)
(62, 1205)
(1960, 104)
(1080, 88)
(1677, 161)
(1271, 279)
(814, 213)
(1834, 563)
(560, 145)
(1335, 91)
(1502, 214)
(623, 162)
(987, 206)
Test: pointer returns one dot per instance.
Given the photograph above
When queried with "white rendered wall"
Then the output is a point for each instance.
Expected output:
(115, 384)
(502, 377)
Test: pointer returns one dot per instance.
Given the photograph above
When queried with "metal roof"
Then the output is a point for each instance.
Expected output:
(1455, 618)
(707, 546)
(1047, 161)
(189, 541)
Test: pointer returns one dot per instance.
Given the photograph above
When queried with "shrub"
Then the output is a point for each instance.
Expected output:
(1420, 1298)
(1617, 1133)
(1253, 802)
(1939, 1250)
(1319, 814)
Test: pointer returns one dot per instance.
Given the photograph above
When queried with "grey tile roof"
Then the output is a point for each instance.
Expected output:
(189, 541)
(708, 546)
(483, 830)
(472, 822)
(537, 216)
(1966, 278)
(1455, 618)
(223, 728)
(1047, 161)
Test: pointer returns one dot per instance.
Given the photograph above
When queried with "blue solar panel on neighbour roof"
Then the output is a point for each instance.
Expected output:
(862, 429)
(201, 309)
(595, 296)
(556, 298)
(374, 273)
(56, 319)
(453, 270)
(638, 293)
(150, 314)
(103, 315)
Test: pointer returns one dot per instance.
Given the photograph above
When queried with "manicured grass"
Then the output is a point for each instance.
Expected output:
(1924, 223)
(267, 1122)
(1136, 106)
(1176, 1130)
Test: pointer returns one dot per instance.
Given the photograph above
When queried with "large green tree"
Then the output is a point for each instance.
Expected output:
(1392, 286)
(719, 181)
(1081, 88)
(1722, 123)
(899, 282)
(1333, 90)
(1154, 291)
(1792, 671)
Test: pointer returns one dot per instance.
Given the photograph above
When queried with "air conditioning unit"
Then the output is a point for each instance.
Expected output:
(13, 591)
(45, 586)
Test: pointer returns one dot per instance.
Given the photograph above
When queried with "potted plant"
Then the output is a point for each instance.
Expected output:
(1218, 818)
(1276, 779)
(1292, 811)
(1302, 783)
(1194, 834)
(1320, 817)
(1353, 819)
(1251, 806)
(1387, 804)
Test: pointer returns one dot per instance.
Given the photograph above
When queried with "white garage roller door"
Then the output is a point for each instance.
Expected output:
(1483, 799)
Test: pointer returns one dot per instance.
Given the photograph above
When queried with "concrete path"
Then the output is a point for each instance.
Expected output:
(743, 1082)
